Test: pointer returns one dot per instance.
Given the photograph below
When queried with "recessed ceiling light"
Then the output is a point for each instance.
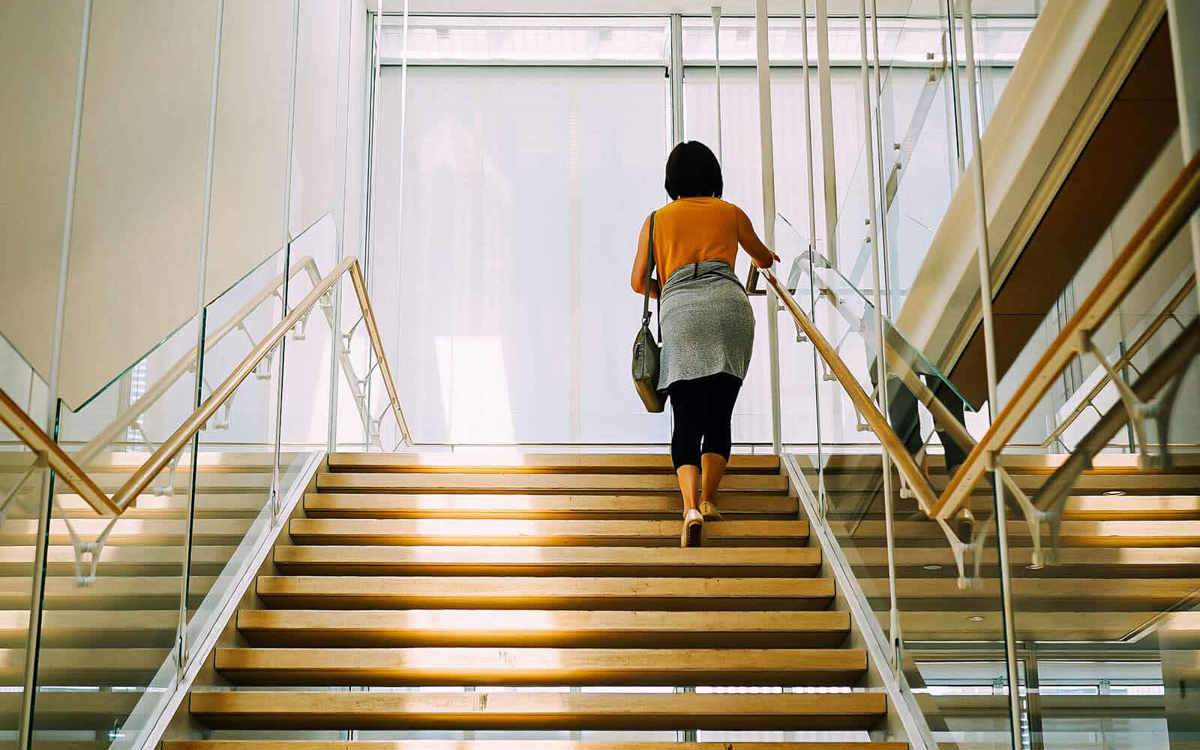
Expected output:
(1114, 493)
(976, 618)
(932, 566)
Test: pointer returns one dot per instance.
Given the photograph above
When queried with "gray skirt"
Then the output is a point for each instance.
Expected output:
(707, 324)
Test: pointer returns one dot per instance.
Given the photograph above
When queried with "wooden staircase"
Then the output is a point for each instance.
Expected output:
(560, 577)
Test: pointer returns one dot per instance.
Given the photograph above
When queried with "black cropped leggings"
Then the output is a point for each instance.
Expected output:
(703, 410)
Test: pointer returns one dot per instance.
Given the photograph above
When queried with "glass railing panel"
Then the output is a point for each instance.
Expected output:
(947, 622)
(236, 471)
(113, 587)
(22, 493)
(304, 417)
(920, 397)
(111, 609)
(1105, 565)
(950, 636)
(355, 358)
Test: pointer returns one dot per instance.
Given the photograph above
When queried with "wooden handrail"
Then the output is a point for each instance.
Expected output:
(1143, 338)
(44, 446)
(1152, 237)
(105, 437)
(900, 456)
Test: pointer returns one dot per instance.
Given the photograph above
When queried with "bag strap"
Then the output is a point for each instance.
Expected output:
(649, 271)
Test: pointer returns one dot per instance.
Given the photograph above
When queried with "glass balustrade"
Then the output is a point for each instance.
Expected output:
(132, 598)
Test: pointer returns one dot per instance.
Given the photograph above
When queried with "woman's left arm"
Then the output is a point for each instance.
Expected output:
(641, 260)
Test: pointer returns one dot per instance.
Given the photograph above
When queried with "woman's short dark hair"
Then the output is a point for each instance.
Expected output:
(693, 172)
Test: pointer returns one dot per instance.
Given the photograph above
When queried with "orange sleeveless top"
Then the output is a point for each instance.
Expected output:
(693, 230)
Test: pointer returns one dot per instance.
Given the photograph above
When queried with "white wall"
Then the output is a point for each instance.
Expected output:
(139, 214)
(39, 58)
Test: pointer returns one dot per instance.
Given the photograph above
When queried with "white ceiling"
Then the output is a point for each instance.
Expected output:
(698, 7)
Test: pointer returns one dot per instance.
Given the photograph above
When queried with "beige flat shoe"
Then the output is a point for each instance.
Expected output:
(693, 529)
(710, 511)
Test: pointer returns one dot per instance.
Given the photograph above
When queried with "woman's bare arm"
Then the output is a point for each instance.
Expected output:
(637, 278)
(761, 254)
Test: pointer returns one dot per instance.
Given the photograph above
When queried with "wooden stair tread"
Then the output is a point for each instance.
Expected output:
(84, 666)
(1016, 463)
(539, 666)
(119, 560)
(93, 629)
(1073, 533)
(533, 710)
(1071, 562)
(362, 559)
(162, 532)
(555, 463)
(398, 592)
(1053, 593)
(456, 531)
(111, 593)
(208, 505)
(535, 483)
(512, 505)
(517, 745)
(1088, 483)
(546, 628)
(81, 710)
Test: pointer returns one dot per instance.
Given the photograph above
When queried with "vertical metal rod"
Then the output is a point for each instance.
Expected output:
(33, 633)
(676, 78)
(955, 92)
(369, 240)
(881, 391)
(825, 105)
(181, 640)
(812, 247)
(880, 171)
(401, 426)
(716, 24)
(1183, 19)
(983, 254)
(767, 150)
(335, 297)
(287, 259)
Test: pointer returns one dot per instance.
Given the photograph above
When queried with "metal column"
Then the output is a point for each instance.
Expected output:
(873, 214)
(812, 247)
(825, 105)
(716, 23)
(983, 256)
(42, 540)
(766, 147)
(676, 75)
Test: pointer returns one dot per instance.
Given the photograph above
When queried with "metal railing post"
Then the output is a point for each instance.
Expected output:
(983, 255)
(716, 25)
(767, 151)
(822, 507)
(42, 539)
(825, 106)
(675, 75)
(880, 359)
(284, 295)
